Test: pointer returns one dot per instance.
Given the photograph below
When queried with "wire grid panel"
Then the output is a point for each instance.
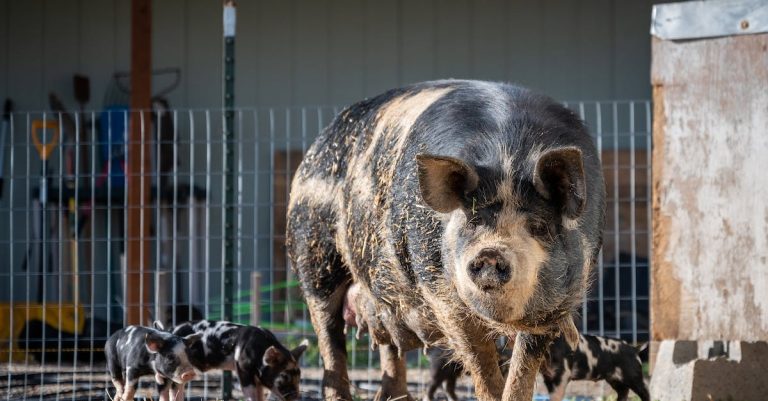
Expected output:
(65, 215)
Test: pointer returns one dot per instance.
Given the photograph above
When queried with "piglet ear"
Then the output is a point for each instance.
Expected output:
(158, 325)
(559, 178)
(154, 341)
(445, 181)
(192, 339)
(298, 351)
(273, 356)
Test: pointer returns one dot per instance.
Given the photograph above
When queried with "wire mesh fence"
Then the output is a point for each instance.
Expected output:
(63, 218)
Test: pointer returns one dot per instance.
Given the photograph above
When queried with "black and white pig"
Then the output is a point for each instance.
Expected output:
(255, 355)
(136, 351)
(464, 210)
(443, 369)
(595, 358)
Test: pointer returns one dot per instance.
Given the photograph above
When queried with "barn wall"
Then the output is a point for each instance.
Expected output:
(710, 263)
(303, 52)
(330, 52)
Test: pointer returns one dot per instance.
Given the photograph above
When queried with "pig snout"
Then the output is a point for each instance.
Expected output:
(489, 270)
(188, 375)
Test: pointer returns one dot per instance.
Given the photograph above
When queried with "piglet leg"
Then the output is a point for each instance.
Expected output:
(177, 392)
(118, 389)
(163, 387)
(253, 392)
(130, 390)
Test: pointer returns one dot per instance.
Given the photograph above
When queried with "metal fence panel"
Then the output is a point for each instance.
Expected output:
(64, 229)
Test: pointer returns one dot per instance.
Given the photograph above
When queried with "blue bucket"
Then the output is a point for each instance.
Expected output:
(113, 132)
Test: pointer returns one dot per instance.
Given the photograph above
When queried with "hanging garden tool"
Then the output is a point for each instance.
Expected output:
(44, 147)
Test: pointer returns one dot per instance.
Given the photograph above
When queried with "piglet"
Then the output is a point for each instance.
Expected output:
(595, 358)
(255, 355)
(136, 351)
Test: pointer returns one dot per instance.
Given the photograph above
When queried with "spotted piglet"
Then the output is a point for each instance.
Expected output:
(255, 355)
(595, 358)
(135, 351)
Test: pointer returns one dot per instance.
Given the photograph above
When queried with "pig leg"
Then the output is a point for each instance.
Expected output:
(480, 358)
(450, 388)
(433, 386)
(177, 391)
(118, 377)
(394, 385)
(430, 395)
(252, 388)
(163, 387)
(131, 384)
(478, 355)
(328, 321)
(527, 356)
(118, 389)
(316, 260)
(622, 391)
(253, 392)
(557, 393)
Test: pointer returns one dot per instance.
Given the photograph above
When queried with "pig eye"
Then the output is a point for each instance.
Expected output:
(473, 218)
(484, 215)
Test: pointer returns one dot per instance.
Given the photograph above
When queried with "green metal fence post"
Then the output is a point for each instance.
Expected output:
(229, 174)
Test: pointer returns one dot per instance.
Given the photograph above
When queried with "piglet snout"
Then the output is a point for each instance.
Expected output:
(188, 375)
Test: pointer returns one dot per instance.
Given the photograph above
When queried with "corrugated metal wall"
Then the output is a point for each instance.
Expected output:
(330, 52)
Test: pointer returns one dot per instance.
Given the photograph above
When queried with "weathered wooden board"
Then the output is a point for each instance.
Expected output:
(710, 190)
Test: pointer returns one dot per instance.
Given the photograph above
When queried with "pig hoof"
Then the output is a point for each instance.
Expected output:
(382, 396)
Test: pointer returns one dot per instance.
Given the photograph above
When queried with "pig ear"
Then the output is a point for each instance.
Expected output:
(298, 351)
(154, 341)
(444, 181)
(158, 325)
(192, 339)
(559, 178)
(273, 356)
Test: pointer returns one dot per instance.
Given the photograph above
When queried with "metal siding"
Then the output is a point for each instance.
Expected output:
(203, 50)
(489, 40)
(169, 42)
(418, 39)
(346, 51)
(523, 56)
(276, 28)
(310, 52)
(25, 44)
(303, 52)
(381, 53)
(453, 32)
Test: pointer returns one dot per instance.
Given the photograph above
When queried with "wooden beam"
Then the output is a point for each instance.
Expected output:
(138, 219)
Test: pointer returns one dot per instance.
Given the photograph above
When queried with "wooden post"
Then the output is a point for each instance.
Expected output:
(709, 269)
(138, 275)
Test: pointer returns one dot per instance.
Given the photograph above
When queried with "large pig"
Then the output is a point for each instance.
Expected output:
(463, 210)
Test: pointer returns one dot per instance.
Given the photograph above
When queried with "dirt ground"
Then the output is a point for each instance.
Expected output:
(50, 382)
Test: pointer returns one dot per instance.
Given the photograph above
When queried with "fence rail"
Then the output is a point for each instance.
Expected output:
(63, 211)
